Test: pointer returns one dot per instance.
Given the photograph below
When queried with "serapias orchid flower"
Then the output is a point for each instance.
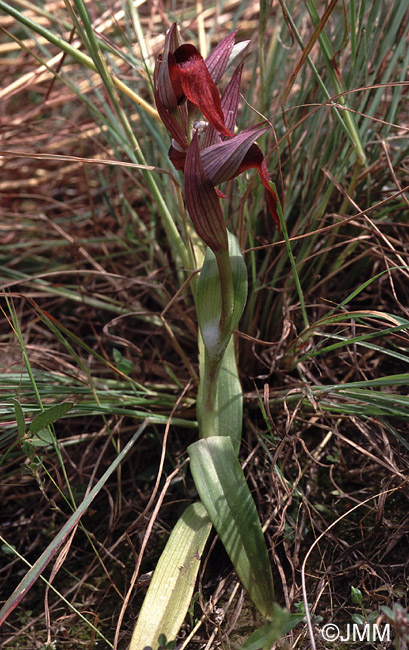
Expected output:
(182, 74)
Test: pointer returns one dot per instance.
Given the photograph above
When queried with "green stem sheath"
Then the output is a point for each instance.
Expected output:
(209, 411)
(227, 294)
(213, 360)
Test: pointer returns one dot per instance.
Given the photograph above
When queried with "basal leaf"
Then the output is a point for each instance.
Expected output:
(170, 591)
(222, 487)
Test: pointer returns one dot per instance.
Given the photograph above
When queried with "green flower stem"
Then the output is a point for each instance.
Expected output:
(220, 300)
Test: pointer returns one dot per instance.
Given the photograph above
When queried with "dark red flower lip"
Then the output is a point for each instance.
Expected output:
(199, 87)
(181, 73)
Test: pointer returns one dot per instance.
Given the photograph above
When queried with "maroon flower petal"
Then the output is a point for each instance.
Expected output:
(230, 99)
(199, 87)
(221, 162)
(175, 78)
(173, 125)
(271, 195)
(229, 102)
(177, 157)
(166, 78)
(220, 194)
(218, 58)
(202, 202)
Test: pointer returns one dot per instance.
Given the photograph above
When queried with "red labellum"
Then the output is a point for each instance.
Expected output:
(199, 87)
(175, 78)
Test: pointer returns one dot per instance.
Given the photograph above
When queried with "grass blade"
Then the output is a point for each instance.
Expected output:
(47, 555)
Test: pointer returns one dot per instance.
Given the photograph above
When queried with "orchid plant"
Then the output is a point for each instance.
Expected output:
(206, 149)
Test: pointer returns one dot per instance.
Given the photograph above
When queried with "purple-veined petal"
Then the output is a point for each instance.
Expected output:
(218, 58)
(166, 80)
(229, 102)
(230, 99)
(172, 124)
(222, 161)
(202, 202)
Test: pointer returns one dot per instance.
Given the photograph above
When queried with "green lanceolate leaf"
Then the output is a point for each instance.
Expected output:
(222, 488)
(208, 297)
(49, 416)
(44, 438)
(228, 411)
(170, 591)
(21, 425)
